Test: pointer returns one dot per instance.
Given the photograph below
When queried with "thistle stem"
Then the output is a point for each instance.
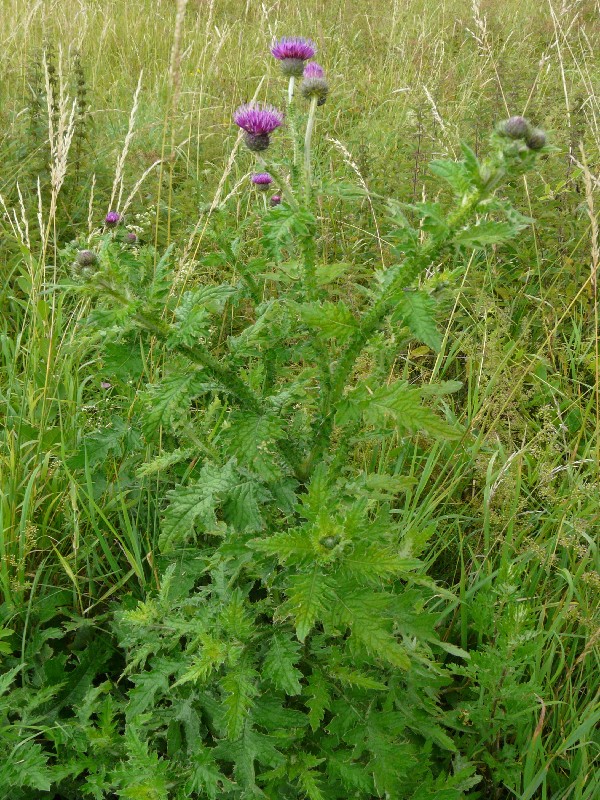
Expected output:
(310, 126)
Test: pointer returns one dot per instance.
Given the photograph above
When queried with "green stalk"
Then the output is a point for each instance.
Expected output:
(310, 126)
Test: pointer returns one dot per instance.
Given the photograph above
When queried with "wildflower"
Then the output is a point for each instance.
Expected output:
(86, 258)
(536, 139)
(292, 52)
(258, 121)
(516, 128)
(262, 180)
(130, 237)
(105, 385)
(314, 83)
(112, 219)
(275, 200)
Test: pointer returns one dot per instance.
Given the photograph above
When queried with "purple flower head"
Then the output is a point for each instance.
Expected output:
(262, 180)
(313, 70)
(292, 52)
(130, 237)
(294, 47)
(258, 121)
(275, 200)
(314, 83)
(112, 219)
(105, 385)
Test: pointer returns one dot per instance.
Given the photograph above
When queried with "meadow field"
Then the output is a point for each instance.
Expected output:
(299, 489)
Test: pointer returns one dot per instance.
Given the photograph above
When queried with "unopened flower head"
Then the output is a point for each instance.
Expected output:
(86, 258)
(112, 219)
(314, 83)
(275, 200)
(258, 121)
(516, 128)
(262, 180)
(292, 52)
(536, 139)
(130, 237)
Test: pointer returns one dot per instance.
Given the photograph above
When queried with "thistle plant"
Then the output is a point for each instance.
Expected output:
(290, 651)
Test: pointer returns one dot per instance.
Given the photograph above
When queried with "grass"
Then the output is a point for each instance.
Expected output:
(517, 512)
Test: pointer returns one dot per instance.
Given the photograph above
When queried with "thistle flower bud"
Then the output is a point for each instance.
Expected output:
(130, 237)
(314, 83)
(329, 542)
(292, 52)
(262, 181)
(536, 139)
(515, 128)
(86, 258)
(112, 219)
(275, 200)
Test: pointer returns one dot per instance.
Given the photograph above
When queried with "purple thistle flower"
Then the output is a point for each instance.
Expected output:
(130, 237)
(258, 121)
(112, 219)
(292, 52)
(313, 70)
(275, 200)
(262, 180)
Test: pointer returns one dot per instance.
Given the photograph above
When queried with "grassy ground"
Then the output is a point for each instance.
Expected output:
(516, 516)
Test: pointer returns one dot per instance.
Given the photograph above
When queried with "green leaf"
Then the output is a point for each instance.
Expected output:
(317, 700)
(486, 233)
(333, 320)
(371, 562)
(170, 399)
(147, 686)
(417, 311)
(240, 689)
(279, 664)
(455, 173)
(308, 594)
(403, 404)
(241, 507)
(206, 777)
(197, 502)
(328, 273)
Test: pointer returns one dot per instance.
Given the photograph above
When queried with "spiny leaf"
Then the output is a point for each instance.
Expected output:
(417, 311)
(318, 699)
(486, 233)
(279, 664)
(171, 398)
(196, 502)
(333, 320)
(240, 689)
(206, 777)
(307, 595)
